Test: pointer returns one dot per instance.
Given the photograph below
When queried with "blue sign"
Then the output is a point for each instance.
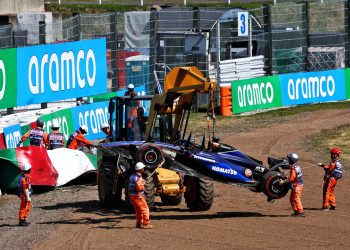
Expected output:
(93, 116)
(12, 135)
(55, 72)
(312, 87)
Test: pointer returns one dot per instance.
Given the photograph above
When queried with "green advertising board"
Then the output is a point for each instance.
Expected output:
(8, 81)
(65, 120)
(347, 83)
(255, 94)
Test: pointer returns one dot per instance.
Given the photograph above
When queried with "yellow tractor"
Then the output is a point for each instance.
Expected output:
(137, 122)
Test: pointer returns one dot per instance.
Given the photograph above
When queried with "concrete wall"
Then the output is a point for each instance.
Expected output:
(9, 7)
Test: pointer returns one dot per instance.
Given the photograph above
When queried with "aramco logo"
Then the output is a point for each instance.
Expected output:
(94, 119)
(64, 71)
(255, 94)
(311, 87)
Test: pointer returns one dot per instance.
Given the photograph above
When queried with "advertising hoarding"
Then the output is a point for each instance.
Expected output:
(8, 82)
(312, 87)
(12, 135)
(93, 116)
(255, 93)
(62, 71)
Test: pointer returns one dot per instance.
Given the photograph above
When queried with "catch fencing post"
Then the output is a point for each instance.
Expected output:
(196, 26)
(113, 48)
(306, 27)
(42, 40)
(153, 49)
(76, 37)
(268, 31)
(76, 27)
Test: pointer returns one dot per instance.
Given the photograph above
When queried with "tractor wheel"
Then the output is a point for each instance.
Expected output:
(199, 193)
(171, 200)
(148, 193)
(150, 154)
(270, 186)
(106, 176)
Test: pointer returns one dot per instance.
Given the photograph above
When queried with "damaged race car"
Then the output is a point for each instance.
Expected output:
(176, 165)
(199, 168)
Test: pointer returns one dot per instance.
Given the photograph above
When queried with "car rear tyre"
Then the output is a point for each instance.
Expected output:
(199, 195)
(270, 186)
(150, 155)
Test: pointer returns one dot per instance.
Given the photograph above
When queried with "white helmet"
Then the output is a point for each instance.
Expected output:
(105, 125)
(139, 166)
(55, 124)
(131, 86)
(85, 128)
(26, 166)
(293, 157)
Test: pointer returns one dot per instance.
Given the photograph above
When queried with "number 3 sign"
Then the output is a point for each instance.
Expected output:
(243, 23)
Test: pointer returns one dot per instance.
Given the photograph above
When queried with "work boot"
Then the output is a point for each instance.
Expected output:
(147, 226)
(333, 208)
(296, 214)
(22, 223)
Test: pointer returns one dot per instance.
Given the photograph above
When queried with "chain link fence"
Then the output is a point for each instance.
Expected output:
(143, 46)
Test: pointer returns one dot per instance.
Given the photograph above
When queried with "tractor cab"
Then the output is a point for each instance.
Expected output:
(128, 117)
(163, 117)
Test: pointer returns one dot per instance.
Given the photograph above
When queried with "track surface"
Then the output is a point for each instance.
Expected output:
(239, 218)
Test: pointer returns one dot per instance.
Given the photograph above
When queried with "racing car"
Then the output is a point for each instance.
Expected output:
(198, 165)
(176, 165)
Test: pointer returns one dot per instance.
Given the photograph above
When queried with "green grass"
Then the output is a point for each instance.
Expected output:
(68, 9)
(323, 142)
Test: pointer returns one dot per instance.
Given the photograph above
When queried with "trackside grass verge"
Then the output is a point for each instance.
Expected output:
(327, 139)
(68, 9)
(246, 122)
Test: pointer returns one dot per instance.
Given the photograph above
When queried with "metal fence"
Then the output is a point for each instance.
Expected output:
(143, 46)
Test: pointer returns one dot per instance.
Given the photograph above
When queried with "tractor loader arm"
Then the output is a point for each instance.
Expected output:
(181, 85)
(187, 79)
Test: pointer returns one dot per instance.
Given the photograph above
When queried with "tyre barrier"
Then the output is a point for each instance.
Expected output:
(226, 101)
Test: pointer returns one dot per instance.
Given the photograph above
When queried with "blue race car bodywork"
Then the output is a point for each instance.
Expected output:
(225, 164)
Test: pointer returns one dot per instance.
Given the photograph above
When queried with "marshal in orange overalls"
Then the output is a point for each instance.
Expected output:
(328, 187)
(333, 172)
(136, 192)
(24, 192)
(296, 182)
